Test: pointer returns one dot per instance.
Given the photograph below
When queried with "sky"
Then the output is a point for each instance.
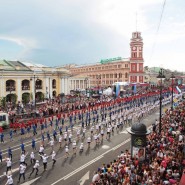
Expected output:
(59, 32)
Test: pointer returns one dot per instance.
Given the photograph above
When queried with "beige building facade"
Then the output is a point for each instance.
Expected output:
(29, 80)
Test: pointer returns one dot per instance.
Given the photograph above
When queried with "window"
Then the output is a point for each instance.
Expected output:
(119, 66)
(103, 75)
(115, 75)
(126, 75)
(3, 118)
(107, 75)
(133, 67)
(111, 75)
(126, 65)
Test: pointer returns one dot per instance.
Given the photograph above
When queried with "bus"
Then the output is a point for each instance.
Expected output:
(4, 119)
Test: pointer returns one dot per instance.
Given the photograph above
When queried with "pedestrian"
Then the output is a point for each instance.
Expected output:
(1, 157)
(45, 161)
(8, 165)
(22, 147)
(2, 138)
(51, 144)
(35, 167)
(33, 144)
(67, 151)
(60, 141)
(22, 158)
(32, 157)
(53, 157)
(9, 180)
(10, 153)
(11, 135)
(41, 150)
(22, 169)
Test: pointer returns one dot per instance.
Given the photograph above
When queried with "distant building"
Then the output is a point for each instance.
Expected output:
(109, 71)
(25, 80)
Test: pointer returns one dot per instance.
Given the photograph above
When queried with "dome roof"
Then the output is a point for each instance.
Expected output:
(138, 129)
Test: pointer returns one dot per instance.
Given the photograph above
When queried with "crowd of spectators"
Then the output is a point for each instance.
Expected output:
(164, 161)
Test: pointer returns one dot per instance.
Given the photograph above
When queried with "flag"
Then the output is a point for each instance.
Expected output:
(135, 89)
(178, 89)
(117, 90)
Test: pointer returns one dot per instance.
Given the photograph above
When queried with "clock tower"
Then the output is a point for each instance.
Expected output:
(136, 59)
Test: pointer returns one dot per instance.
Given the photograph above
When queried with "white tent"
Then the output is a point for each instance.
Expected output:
(107, 92)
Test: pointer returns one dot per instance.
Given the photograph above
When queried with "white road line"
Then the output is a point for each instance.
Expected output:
(90, 162)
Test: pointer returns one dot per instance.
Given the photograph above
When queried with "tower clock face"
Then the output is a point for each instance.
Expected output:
(134, 48)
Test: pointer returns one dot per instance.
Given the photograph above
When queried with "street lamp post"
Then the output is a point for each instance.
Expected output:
(172, 78)
(161, 77)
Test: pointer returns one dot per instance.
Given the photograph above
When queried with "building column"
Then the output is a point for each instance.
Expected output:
(47, 87)
(19, 89)
(51, 88)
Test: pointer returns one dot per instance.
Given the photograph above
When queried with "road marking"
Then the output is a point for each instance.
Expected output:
(30, 182)
(105, 146)
(116, 147)
(89, 163)
(14, 170)
(124, 132)
(84, 178)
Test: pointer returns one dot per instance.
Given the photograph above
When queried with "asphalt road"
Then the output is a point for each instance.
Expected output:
(75, 170)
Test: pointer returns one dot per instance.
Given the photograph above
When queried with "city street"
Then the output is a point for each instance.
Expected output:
(77, 169)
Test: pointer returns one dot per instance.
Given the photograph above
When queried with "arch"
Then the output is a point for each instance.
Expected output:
(10, 85)
(25, 84)
(54, 94)
(11, 98)
(53, 83)
(39, 96)
(38, 84)
(25, 97)
(126, 75)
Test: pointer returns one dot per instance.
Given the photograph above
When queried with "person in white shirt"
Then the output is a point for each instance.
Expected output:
(53, 157)
(45, 161)
(51, 144)
(32, 157)
(81, 147)
(74, 147)
(8, 165)
(35, 167)
(41, 150)
(67, 151)
(22, 169)
(9, 180)
(22, 158)
(60, 141)
(89, 141)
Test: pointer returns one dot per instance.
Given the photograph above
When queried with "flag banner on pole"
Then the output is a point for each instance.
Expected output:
(117, 90)
(178, 89)
(135, 88)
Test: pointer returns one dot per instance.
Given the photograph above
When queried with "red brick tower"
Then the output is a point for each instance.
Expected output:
(136, 60)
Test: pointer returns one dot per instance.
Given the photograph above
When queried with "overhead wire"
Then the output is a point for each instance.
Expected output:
(158, 28)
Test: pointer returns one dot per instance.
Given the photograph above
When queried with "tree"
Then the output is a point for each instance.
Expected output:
(25, 98)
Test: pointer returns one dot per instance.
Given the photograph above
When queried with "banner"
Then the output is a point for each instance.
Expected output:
(117, 90)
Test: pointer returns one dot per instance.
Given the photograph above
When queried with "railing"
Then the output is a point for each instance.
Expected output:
(38, 86)
(25, 87)
(12, 88)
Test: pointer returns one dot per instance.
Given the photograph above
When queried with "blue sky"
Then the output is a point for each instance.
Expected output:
(80, 31)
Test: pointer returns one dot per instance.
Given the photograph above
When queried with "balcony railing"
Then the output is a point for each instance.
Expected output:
(25, 87)
(38, 86)
(12, 88)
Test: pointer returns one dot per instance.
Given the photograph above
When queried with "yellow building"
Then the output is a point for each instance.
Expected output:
(23, 81)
